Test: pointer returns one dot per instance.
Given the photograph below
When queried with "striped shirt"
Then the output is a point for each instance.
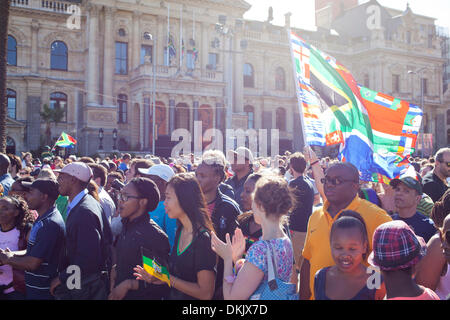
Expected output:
(46, 242)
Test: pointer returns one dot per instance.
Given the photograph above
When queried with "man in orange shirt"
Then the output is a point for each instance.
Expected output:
(341, 185)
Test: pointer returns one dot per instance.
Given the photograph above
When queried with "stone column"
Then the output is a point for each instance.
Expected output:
(171, 114)
(135, 55)
(220, 117)
(93, 61)
(34, 46)
(143, 121)
(34, 102)
(238, 82)
(158, 49)
(204, 46)
(108, 58)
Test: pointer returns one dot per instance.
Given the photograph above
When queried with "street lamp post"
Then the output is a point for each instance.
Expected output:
(421, 104)
(100, 137)
(115, 139)
(155, 39)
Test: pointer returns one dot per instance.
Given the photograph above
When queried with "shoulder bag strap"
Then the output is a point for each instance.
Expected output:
(270, 266)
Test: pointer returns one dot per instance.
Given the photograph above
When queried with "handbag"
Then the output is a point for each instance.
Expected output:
(274, 288)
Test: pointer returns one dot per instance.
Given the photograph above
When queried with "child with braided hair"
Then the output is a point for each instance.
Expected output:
(15, 224)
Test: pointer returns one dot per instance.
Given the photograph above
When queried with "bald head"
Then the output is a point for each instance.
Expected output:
(350, 170)
(4, 164)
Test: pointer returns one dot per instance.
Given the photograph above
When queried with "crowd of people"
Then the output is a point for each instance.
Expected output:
(216, 226)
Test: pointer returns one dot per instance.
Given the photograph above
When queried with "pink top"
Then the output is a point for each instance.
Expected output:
(443, 287)
(427, 294)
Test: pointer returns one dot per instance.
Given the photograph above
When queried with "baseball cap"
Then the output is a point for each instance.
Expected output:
(35, 172)
(396, 246)
(47, 186)
(245, 152)
(161, 170)
(410, 182)
(79, 170)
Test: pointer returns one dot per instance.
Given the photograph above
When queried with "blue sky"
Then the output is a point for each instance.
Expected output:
(303, 10)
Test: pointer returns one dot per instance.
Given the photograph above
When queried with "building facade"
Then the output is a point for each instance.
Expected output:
(104, 62)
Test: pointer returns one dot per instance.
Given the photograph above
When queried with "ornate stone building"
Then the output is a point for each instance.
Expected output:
(100, 63)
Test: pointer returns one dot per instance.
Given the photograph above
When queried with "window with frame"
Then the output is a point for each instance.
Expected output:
(395, 83)
(280, 79)
(249, 76)
(250, 111)
(11, 98)
(281, 119)
(146, 50)
(122, 101)
(12, 51)
(366, 81)
(58, 56)
(58, 100)
(121, 58)
(213, 60)
(190, 60)
(425, 86)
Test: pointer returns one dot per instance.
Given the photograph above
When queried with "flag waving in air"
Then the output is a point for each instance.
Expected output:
(375, 132)
(65, 141)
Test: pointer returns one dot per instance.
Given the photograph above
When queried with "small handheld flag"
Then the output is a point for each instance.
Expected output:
(65, 141)
(154, 267)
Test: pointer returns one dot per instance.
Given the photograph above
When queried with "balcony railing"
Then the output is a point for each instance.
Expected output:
(146, 70)
(43, 5)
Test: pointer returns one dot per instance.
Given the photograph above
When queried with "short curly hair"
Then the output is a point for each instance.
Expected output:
(273, 194)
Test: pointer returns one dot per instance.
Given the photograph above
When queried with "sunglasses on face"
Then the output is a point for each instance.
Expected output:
(335, 181)
(125, 197)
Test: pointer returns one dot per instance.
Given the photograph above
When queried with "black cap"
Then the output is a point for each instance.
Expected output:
(410, 182)
(36, 172)
(47, 186)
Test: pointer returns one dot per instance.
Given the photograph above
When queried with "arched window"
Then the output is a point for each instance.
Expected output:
(59, 100)
(12, 51)
(11, 99)
(281, 119)
(250, 111)
(280, 79)
(122, 101)
(122, 32)
(58, 56)
(249, 76)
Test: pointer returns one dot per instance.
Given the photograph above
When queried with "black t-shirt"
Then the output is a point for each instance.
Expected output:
(196, 257)
(304, 194)
(433, 186)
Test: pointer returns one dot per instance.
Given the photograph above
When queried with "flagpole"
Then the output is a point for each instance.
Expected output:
(297, 88)
(181, 36)
(168, 33)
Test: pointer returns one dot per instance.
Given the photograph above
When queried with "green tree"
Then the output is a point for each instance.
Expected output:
(4, 16)
(50, 116)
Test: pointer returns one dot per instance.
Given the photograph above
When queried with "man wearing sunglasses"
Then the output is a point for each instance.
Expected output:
(435, 182)
(341, 185)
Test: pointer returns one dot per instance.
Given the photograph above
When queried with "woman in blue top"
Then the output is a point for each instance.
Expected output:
(272, 201)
